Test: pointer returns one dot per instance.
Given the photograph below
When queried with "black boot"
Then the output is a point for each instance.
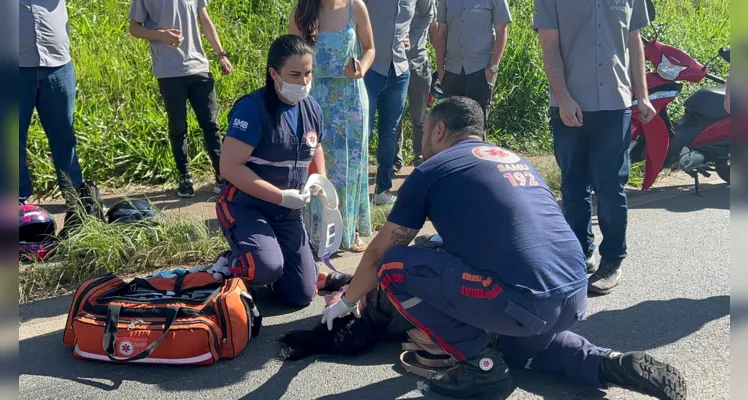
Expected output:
(480, 375)
(640, 372)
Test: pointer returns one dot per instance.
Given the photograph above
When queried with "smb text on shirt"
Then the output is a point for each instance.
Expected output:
(594, 41)
(189, 57)
(470, 32)
(43, 33)
(390, 23)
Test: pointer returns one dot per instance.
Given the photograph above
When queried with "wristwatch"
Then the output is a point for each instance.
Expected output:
(222, 54)
(494, 68)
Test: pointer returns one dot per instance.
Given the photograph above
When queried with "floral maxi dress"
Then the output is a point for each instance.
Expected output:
(345, 140)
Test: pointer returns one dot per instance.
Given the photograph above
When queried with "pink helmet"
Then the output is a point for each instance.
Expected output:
(36, 233)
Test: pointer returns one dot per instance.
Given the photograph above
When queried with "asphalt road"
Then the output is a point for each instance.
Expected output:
(674, 301)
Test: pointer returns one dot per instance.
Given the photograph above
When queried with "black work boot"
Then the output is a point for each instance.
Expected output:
(606, 278)
(480, 375)
(640, 372)
(336, 280)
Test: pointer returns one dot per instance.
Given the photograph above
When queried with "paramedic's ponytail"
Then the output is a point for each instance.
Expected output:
(282, 48)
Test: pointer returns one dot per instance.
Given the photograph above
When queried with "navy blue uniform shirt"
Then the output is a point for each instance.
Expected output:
(494, 211)
(283, 149)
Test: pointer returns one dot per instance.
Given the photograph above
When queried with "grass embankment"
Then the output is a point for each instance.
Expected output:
(123, 136)
(121, 123)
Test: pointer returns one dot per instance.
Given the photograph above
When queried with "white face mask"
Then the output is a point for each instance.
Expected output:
(293, 92)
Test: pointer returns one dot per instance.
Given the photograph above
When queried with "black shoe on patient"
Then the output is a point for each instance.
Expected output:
(640, 372)
(336, 280)
(481, 375)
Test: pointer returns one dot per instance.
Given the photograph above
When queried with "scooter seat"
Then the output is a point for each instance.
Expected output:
(708, 102)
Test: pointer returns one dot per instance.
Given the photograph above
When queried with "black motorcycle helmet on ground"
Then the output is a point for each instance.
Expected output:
(37, 231)
(131, 210)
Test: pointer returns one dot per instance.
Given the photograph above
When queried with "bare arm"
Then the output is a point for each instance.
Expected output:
(319, 161)
(433, 30)
(554, 64)
(141, 32)
(365, 34)
(440, 47)
(234, 155)
(502, 33)
(365, 278)
(638, 65)
(209, 30)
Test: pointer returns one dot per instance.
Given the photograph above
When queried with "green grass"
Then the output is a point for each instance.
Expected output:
(98, 247)
(122, 126)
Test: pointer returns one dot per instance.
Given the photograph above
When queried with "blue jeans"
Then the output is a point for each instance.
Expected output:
(387, 95)
(52, 92)
(595, 156)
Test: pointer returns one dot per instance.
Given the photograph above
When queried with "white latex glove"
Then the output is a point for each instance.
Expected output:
(293, 199)
(220, 269)
(339, 309)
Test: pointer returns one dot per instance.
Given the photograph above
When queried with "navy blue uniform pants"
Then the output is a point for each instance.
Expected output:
(595, 155)
(268, 247)
(457, 306)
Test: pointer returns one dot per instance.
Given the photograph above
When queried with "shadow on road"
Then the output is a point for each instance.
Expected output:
(653, 323)
(47, 356)
(713, 197)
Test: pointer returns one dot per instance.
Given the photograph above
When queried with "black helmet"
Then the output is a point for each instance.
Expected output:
(36, 233)
(130, 211)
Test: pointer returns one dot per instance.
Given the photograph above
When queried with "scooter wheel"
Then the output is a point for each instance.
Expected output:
(722, 168)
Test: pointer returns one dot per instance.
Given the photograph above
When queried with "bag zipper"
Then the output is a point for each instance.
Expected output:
(222, 316)
(139, 321)
(105, 300)
(85, 291)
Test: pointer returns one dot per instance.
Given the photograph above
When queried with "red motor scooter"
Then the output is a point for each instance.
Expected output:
(700, 141)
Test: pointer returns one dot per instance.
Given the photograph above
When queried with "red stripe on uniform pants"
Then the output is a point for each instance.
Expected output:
(392, 277)
(390, 266)
(219, 213)
(481, 293)
(444, 345)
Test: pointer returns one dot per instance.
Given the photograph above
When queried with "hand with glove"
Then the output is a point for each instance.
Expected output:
(340, 308)
(220, 269)
(294, 199)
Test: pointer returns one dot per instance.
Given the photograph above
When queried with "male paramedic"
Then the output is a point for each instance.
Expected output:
(593, 58)
(512, 266)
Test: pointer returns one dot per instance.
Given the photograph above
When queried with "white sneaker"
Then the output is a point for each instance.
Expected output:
(384, 198)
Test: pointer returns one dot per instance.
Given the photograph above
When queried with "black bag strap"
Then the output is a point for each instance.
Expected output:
(110, 333)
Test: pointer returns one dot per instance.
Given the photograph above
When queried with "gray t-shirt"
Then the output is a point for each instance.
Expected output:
(470, 31)
(43, 33)
(594, 41)
(169, 62)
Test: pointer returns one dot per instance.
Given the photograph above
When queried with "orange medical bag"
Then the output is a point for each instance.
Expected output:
(188, 319)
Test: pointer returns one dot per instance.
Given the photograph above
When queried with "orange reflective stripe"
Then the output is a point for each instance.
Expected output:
(232, 191)
(226, 212)
(390, 266)
(250, 266)
(471, 277)
(487, 281)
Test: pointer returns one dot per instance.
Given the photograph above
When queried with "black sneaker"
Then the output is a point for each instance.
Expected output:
(185, 187)
(606, 278)
(478, 376)
(640, 372)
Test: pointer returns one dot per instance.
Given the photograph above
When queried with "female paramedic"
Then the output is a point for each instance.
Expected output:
(273, 137)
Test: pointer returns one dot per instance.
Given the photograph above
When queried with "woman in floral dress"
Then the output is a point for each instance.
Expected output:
(340, 32)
